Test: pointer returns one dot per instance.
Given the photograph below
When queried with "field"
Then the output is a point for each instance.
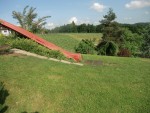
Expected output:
(69, 40)
(117, 85)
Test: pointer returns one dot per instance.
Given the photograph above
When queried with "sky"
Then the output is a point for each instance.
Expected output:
(80, 11)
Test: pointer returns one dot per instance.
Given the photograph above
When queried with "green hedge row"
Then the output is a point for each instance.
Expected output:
(31, 46)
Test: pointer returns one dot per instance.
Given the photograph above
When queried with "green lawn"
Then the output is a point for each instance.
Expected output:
(120, 85)
(80, 36)
(69, 40)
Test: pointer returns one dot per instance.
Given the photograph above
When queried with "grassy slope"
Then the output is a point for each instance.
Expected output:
(80, 36)
(121, 85)
(69, 40)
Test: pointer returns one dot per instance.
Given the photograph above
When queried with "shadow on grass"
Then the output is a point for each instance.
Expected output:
(3, 95)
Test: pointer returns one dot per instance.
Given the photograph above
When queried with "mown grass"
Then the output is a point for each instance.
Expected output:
(80, 36)
(120, 85)
(68, 41)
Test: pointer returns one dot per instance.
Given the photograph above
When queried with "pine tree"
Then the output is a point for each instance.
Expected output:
(112, 35)
(111, 29)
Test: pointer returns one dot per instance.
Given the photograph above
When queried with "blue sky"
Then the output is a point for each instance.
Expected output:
(81, 11)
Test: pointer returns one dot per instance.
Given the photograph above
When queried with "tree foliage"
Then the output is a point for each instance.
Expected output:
(85, 47)
(112, 35)
(111, 29)
(107, 48)
(132, 41)
(28, 19)
(145, 48)
(73, 28)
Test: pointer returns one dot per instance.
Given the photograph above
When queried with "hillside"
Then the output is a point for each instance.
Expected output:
(103, 85)
(116, 85)
(69, 40)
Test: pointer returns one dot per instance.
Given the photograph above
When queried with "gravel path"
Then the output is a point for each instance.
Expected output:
(42, 57)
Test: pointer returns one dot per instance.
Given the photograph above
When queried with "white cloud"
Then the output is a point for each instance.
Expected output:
(50, 25)
(84, 20)
(73, 19)
(98, 7)
(134, 4)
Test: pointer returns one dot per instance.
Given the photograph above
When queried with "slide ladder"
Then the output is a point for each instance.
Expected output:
(75, 56)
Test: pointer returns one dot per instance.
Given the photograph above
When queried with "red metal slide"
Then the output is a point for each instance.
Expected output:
(75, 56)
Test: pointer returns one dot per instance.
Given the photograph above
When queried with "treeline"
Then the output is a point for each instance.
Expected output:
(73, 28)
(90, 28)
(139, 28)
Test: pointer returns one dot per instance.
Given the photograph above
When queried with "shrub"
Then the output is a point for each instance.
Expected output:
(2, 39)
(107, 48)
(31, 46)
(124, 53)
(132, 41)
(1, 35)
(6, 40)
(85, 47)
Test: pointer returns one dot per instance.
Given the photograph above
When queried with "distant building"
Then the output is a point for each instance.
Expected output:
(5, 31)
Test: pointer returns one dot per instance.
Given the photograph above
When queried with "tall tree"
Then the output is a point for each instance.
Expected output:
(110, 28)
(28, 19)
(112, 35)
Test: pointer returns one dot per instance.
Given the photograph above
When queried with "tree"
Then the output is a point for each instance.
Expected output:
(28, 19)
(91, 28)
(111, 29)
(132, 41)
(82, 28)
(73, 27)
(112, 35)
(145, 48)
(99, 28)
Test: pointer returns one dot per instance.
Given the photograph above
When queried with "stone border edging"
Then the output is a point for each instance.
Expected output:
(42, 57)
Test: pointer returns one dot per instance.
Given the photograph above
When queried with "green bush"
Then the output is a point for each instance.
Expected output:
(2, 39)
(31, 46)
(6, 40)
(107, 48)
(85, 47)
(132, 41)
(1, 35)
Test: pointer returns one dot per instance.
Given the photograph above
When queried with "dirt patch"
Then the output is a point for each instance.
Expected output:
(98, 63)
(93, 62)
